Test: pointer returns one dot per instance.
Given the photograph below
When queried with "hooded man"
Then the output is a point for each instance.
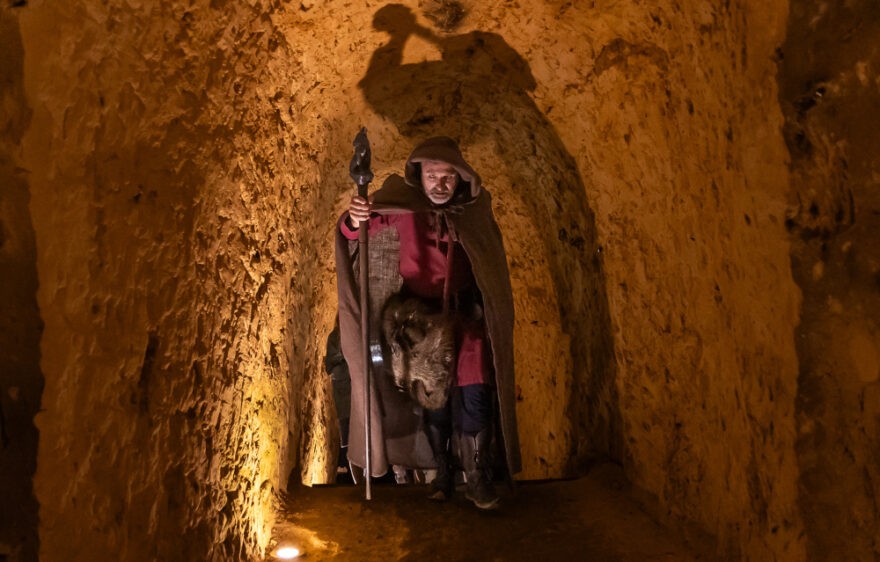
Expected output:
(441, 311)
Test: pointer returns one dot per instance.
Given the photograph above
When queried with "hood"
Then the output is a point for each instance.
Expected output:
(443, 149)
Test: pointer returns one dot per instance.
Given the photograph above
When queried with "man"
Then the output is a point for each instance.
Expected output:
(436, 251)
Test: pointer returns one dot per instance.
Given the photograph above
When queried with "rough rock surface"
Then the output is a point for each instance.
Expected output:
(164, 181)
(830, 92)
(639, 176)
(186, 163)
(21, 383)
(681, 143)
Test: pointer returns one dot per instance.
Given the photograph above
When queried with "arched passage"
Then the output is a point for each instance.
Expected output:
(478, 91)
(185, 163)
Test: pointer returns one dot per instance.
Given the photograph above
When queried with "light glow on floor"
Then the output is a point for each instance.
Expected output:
(287, 553)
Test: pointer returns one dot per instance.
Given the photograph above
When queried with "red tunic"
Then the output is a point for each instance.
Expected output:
(423, 266)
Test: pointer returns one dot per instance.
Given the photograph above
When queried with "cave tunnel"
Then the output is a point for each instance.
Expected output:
(688, 197)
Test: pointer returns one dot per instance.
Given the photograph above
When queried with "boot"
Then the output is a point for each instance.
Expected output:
(443, 484)
(475, 459)
(401, 475)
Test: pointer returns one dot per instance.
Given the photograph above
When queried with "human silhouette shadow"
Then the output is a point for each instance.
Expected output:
(479, 91)
(476, 68)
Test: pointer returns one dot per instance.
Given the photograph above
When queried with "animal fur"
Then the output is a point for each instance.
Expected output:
(421, 345)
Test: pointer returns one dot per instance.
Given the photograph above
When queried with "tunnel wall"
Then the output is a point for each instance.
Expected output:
(681, 142)
(668, 115)
(479, 88)
(185, 166)
(829, 91)
(21, 382)
(159, 159)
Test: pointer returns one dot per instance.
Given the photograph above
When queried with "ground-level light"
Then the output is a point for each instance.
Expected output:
(286, 553)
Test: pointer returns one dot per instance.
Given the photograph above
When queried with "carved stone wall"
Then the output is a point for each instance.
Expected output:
(21, 382)
(164, 178)
(639, 176)
(185, 163)
(829, 91)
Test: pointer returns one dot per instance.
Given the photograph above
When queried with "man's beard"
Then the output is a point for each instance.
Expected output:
(439, 197)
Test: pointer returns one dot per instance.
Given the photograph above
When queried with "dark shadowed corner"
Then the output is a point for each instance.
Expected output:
(21, 381)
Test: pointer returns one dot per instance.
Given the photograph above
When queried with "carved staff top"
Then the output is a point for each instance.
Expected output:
(360, 163)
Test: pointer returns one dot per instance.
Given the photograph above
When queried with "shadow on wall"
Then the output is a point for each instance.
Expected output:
(829, 70)
(478, 92)
(21, 382)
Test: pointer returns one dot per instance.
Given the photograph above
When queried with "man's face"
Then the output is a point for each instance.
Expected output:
(439, 180)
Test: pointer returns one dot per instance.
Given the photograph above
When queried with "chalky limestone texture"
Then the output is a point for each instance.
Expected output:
(188, 159)
(672, 258)
(830, 93)
(401, 83)
(162, 195)
(688, 185)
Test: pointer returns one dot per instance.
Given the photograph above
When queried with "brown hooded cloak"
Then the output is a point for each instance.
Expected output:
(397, 431)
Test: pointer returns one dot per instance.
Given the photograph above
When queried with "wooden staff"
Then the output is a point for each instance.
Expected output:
(362, 175)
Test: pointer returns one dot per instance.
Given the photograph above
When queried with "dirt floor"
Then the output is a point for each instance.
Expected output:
(591, 518)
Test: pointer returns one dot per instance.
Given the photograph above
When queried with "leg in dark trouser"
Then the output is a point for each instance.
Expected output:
(438, 426)
(342, 398)
(472, 407)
